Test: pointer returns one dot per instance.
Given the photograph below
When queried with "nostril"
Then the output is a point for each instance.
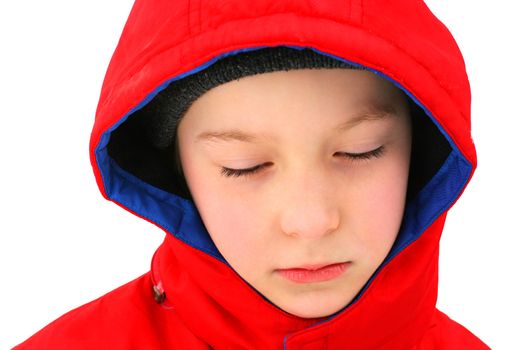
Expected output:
(313, 221)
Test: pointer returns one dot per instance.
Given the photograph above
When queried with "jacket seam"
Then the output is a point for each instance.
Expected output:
(361, 27)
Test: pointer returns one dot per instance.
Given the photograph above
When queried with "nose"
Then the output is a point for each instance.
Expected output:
(309, 207)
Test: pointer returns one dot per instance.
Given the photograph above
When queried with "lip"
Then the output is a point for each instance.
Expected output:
(314, 273)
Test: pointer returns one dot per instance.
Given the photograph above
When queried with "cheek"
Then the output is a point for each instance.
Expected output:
(381, 208)
(235, 223)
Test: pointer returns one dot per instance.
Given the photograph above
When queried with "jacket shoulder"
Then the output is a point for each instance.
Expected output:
(101, 323)
(445, 333)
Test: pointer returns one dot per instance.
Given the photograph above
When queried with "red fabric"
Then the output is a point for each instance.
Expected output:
(208, 306)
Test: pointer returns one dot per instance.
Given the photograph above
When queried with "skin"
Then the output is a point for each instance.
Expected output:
(308, 204)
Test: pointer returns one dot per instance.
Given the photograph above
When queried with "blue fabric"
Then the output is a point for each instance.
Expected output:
(180, 217)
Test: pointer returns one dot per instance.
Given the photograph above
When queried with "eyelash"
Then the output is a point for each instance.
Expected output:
(378, 152)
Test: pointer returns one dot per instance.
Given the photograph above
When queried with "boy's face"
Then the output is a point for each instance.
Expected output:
(307, 203)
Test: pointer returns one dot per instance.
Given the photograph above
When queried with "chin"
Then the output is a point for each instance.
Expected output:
(315, 307)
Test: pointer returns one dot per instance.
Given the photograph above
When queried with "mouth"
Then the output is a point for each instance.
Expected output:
(314, 273)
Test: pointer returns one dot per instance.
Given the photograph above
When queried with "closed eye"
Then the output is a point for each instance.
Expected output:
(353, 157)
(241, 172)
(378, 152)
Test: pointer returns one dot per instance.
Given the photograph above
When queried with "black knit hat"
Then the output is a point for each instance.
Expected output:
(171, 104)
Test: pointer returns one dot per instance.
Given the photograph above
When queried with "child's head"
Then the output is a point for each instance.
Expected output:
(308, 200)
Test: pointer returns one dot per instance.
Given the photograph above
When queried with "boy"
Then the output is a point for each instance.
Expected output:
(301, 157)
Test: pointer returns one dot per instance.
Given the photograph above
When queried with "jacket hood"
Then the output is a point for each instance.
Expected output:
(401, 41)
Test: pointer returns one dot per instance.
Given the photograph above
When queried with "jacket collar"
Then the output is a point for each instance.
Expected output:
(392, 313)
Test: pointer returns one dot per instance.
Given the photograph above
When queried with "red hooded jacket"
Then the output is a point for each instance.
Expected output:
(191, 298)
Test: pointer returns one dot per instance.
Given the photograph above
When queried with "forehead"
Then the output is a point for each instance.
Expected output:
(372, 112)
(268, 100)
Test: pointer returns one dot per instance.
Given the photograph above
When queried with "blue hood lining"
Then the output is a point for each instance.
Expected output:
(180, 217)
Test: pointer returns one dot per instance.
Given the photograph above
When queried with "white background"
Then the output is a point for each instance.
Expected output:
(62, 244)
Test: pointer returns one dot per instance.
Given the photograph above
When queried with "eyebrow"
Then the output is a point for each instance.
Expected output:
(376, 112)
